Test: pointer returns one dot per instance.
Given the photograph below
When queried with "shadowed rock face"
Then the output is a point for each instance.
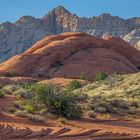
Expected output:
(17, 37)
(74, 54)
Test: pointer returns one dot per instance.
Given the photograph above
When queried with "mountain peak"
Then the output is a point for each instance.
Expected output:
(59, 10)
(24, 19)
(5, 25)
(105, 15)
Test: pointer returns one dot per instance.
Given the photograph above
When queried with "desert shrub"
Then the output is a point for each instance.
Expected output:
(36, 118)
(73, 85)
(111, 109)
(64, 105)
(104, 104)
(43, 112)
(26, 85)
(9, 89)
(82, 76)
(74, 112)
(82, 97)
(1, 94)
(62, 120)
(29, 108)
(100, 76)
(134, 104)
(91, 114)
(100, 110)
(131, 111)
(20, 104)
(11, 74)
(96, 101)
(1, 86)
(20, 113)
(119, 103)
(49, 98)
(22, 93)
(11, 109)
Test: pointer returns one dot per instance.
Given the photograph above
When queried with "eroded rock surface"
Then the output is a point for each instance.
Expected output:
(74, 55)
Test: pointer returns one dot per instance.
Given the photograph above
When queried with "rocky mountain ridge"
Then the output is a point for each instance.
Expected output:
(17, 37)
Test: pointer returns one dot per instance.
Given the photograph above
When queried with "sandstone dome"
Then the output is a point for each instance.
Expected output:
(72, 55)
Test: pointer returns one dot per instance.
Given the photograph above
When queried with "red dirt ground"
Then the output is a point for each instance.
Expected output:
(15, 128)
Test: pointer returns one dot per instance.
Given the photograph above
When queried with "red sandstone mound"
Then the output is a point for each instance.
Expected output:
(61, 82)
(74, 55)
(16, 80)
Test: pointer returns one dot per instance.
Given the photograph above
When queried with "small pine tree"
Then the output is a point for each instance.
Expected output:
(73, 85)
(100, 76)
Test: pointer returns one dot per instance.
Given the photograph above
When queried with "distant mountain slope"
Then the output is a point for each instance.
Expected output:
(17, 37)
(72, 55)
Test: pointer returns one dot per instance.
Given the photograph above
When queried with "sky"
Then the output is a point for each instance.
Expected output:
(12, 10)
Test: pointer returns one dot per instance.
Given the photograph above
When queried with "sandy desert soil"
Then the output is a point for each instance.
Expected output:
(15, 128)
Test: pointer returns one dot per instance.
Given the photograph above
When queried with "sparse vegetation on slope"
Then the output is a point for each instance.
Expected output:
(116, 94)
(107, 95)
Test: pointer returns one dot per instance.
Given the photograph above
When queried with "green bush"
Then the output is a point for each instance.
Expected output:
(22, 93)
(62, 104)
(1, 86)
(73, 85)
(82, 97)
(1, 94)
(96, 101)
(20, 104)
(11, 109)
(62, 120)
(9, 89)
(49, 98)
(29, 108)
(43, 112)
(91, 114)
(100, 76)
(36, 118)
(73, 112)
(82, 76)
(10, 74)
(20, 113)
(111, 109)
(134, 104)
(100, 110)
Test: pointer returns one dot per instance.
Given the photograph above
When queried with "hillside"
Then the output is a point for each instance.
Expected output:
(17, 37)
(117, 85)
